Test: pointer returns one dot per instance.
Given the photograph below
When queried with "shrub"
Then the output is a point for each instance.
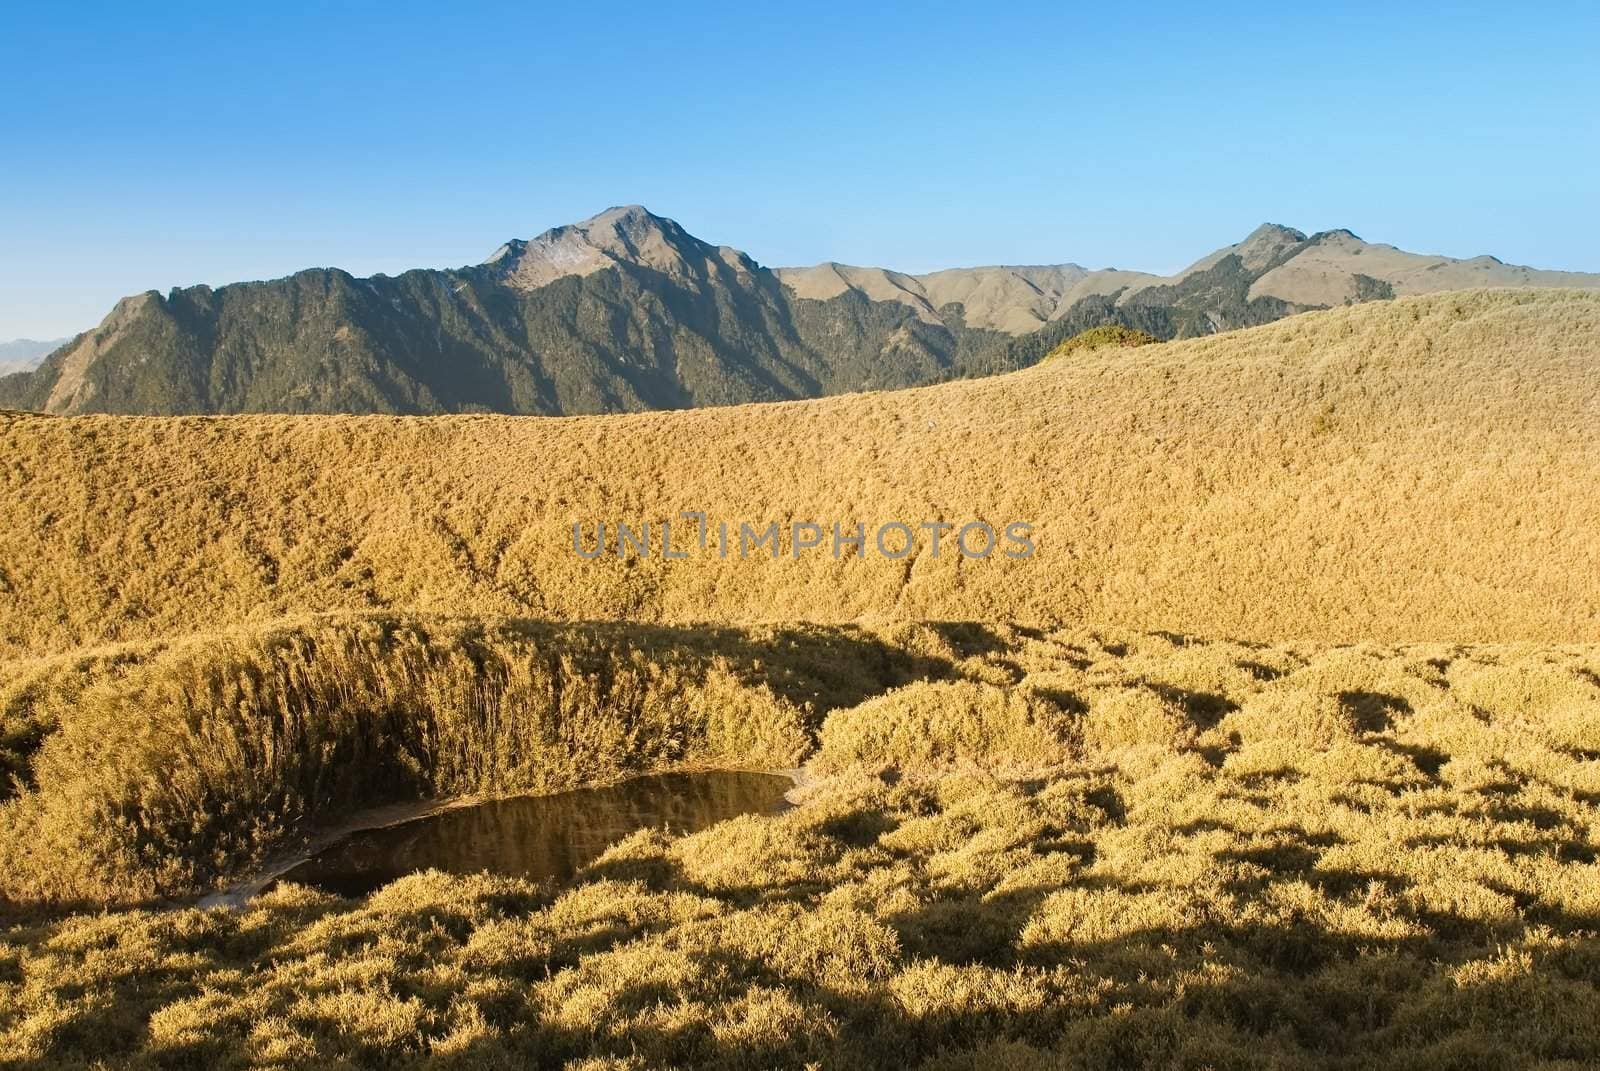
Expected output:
(1104, 335)
(1561, 701)
(1301, 718)
(930, 724)
(1134, 717)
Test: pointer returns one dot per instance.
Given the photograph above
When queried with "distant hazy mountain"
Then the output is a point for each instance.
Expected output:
(23, 354)
(628, 311)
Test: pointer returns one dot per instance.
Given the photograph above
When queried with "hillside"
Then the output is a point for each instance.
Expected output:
(628, 312)
(1423, 469)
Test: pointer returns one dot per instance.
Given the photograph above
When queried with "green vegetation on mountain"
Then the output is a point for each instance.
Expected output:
(1105, 335)
(1203, 302)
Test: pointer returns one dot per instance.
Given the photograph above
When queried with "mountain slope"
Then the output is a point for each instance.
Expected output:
(627, 311)
(1421, 469)
(1012, 299)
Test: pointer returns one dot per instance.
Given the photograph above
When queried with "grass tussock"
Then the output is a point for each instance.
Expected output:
(945, 723)
(1228, 855)
(1417, 469)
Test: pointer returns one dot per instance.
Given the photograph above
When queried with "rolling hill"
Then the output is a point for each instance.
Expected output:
(628, 312)
(1422, 469)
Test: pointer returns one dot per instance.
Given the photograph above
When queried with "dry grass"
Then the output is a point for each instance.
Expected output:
(159, 770)
(938, 723)
(1228, 855)
(1025, 845)
(1415, 470)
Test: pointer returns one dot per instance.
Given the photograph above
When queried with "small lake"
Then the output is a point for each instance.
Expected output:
(538, 837)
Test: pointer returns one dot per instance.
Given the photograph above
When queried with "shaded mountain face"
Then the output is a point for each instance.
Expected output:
(628, 311)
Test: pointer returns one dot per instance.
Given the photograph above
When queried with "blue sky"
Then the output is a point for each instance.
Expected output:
(147, 146)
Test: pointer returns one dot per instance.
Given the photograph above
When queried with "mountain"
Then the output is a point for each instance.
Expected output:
(623, 312)
(627, 311)
(23, 354)
(1282, 270)
(1416, 469)
(1332, 268)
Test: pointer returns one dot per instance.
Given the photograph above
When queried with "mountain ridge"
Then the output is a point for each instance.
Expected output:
(1267, 251)
(628, 311)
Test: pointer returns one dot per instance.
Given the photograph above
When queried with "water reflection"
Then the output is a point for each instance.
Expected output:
(537, 837)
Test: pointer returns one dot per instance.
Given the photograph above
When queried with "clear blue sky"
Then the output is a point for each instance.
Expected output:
(153, 145)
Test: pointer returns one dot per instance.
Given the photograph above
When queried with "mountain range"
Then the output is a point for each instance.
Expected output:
(628, 311)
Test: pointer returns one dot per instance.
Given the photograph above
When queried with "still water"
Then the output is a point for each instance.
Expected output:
(537, 837)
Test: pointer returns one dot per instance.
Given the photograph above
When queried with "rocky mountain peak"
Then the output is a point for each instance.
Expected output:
(624, 234)
(1267, 243)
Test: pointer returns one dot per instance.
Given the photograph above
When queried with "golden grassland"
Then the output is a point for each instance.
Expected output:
(158, 769)
(1422, 469)
(1362, 833)
(1020, 848)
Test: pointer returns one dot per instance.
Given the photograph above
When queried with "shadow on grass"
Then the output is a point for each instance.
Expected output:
(972, 975)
